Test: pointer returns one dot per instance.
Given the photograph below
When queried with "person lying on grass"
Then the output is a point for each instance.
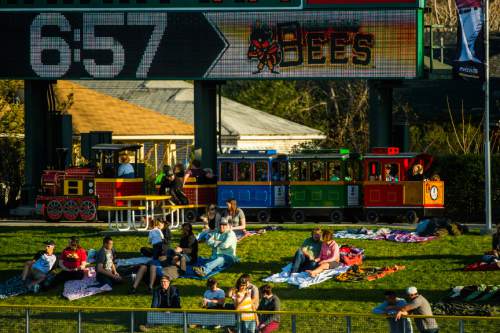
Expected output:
(329, 257)
(305, 256)
(35, 271)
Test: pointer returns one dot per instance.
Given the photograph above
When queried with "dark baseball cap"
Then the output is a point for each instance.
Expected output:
(74, 239)
(49, 242)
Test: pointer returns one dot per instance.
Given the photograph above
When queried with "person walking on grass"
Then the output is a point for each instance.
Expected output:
(418, 305)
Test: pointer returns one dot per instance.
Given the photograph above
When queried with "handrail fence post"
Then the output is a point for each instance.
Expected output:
(132, 321)
(28, 320)
(348, 324)
(79, 322)
(185, 322)
(294, 323)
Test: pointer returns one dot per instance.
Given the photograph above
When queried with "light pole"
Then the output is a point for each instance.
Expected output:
(487, 162)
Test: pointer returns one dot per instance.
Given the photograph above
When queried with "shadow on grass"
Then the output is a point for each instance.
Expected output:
(455, 257)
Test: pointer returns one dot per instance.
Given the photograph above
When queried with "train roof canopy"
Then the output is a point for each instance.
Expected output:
(115, 147)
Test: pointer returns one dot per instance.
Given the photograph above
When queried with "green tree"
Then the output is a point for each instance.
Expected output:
(11, 143)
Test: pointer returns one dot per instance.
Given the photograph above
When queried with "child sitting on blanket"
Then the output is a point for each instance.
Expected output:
(329, 257)
(155, 238)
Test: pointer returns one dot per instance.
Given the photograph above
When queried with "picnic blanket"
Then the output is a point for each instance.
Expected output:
(250, 233)
(88, 286)
(400, 236)
(461, 309)
(474, 293)
(303, 279)
(132, 261)
(483, 266)
(357, 273)
(12, 287)
(202, 261)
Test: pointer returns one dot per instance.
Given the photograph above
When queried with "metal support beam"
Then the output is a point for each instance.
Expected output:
(35, 127)
(205, 122)
(380, 114)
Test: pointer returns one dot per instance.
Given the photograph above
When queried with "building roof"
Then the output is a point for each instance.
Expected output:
(176, 99)
(97, 111)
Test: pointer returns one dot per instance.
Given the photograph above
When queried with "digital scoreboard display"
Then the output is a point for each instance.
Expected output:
(181, 5)
(211, 45)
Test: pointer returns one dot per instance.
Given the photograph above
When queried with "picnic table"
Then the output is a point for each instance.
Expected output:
(145, 209)
(141, 208)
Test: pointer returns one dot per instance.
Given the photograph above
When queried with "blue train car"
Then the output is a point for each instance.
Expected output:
(257, 179)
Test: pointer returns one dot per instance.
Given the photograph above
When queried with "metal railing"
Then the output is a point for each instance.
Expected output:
(65, 319)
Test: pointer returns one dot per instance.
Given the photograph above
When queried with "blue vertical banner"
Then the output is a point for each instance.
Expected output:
(469, 62)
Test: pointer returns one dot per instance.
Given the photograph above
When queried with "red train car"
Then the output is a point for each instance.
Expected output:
(394, 185)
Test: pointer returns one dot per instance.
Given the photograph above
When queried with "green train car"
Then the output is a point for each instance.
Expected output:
(324, 183)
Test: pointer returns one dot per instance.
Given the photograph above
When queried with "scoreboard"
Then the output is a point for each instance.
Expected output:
(211, 39)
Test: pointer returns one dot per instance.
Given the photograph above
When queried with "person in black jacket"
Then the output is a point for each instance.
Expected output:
(165, 297)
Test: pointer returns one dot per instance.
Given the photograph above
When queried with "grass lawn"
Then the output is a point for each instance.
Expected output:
(433, 267)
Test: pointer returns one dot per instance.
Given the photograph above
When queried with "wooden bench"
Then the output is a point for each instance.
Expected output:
(119, 215)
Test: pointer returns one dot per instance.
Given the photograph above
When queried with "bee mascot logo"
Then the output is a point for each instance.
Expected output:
(264, 48)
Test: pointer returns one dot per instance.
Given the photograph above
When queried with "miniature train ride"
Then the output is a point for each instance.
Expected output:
(336, 184)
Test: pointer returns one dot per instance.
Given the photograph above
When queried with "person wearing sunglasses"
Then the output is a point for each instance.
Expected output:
(36, 270)
(211, 221)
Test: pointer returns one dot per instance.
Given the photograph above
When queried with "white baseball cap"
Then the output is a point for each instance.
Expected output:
(411, 291)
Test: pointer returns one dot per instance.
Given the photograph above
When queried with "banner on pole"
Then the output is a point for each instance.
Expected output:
(469, 63)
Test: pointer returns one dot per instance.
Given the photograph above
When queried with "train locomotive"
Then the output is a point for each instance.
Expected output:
(77, 193)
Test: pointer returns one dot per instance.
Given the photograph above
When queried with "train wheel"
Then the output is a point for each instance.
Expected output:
(411, 216)
(190, 215)
(71, 210)
(88, 211)
(298, 216)
(336, 216)
(53, 210)
(263, 216)
(372, 216)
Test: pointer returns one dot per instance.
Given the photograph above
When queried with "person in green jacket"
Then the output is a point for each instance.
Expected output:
(223, 244)
(305, 255)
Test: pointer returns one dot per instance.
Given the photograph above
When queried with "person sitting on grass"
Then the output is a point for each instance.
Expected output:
(236, 218)
(329, 256)
(223, 244)
(73, 262)
(39, 267)
(494, 255)
(269, 302)
(155, 238)
(214, 297)
(305, 256)
(165, 297)
(105, 264)
(385, 308)
(211, 220)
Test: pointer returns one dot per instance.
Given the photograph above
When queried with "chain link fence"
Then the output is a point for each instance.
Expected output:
(38, 319)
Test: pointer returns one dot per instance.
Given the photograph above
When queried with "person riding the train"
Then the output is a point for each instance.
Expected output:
(125, 170)
(388, 176)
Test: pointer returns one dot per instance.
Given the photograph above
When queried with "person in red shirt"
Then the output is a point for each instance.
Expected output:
(73, 262)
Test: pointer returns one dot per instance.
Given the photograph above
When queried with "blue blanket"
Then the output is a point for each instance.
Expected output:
(202, 261)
